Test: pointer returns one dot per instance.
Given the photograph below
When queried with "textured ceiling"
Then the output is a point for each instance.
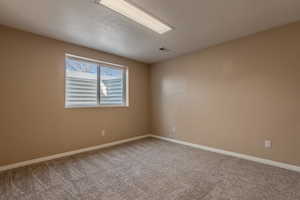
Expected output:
(197, 23)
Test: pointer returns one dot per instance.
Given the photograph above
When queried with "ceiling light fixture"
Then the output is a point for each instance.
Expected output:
(136, 14)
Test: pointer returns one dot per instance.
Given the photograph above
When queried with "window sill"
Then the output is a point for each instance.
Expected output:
(97, 106)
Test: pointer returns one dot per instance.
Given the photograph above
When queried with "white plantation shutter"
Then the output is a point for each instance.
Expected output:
(91, 84)
(112, 86)
(81, 91)
(114, 92)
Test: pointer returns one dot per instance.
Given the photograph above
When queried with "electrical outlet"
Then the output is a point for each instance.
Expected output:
(268, 144)
(103, 132)
(173, 130)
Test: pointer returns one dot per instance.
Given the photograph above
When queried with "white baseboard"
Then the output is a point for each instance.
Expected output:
(69, 153)
(206, 148)
(237, 155)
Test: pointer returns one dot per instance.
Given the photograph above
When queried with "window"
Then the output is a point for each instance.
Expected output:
(90, 83)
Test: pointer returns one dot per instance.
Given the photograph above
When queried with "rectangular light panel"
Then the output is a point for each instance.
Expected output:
(136, 15)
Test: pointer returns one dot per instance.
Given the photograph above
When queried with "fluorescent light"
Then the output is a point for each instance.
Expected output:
(136, 15)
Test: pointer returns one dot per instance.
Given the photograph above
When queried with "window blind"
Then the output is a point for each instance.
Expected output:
(112, 90)
(92, 84)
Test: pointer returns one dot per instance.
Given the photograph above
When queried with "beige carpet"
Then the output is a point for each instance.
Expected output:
(150, 169)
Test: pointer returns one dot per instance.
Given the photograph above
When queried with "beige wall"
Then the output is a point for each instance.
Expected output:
(33, 121)
(234, 96)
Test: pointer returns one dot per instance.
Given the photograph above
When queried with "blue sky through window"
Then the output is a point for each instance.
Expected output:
(111, 73)
(91, 68)
(81, 66)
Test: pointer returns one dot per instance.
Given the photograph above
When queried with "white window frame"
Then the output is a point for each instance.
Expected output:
(105, 64)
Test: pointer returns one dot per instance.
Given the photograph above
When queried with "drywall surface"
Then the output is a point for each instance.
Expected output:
(234, 96)
(33, 120)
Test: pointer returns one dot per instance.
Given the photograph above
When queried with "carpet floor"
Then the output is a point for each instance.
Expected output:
(149, 169)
